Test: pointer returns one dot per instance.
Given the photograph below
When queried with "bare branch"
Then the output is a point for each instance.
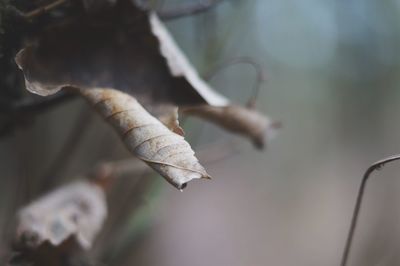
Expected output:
(105, 172)
(44, 9)
(189, 9)
(375, 166)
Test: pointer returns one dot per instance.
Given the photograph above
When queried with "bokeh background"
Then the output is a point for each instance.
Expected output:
(333, 81)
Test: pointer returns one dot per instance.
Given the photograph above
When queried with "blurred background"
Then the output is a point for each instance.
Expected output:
(333, 80)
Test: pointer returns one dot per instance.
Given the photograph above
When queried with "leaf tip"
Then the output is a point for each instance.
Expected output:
(19, 58)
(270, 131)
(182, 187)
(179, 130)
(207, 176)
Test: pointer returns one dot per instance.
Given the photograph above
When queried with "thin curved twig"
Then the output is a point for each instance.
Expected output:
(260, 75)
(44, 9)
(188, 10)
(375, 166)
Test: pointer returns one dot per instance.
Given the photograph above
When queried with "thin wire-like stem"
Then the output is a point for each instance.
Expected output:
(260, 75)
(375, 166)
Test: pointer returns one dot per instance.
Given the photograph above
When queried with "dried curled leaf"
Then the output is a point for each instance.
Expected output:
(179, 65)
(78, 210)
(168, 115)
(237, 119)
(245, 121)
(138, 59)
(94, 51)
(146, 137)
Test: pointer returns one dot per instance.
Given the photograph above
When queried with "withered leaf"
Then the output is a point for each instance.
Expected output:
(179, 65)
(245, 121)
(95, 51)
(169, 116)
(146, 137)
(77, 209)
(137, 61)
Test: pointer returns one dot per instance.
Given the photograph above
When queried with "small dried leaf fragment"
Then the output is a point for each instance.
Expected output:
(77, 209)
(245, 121)
(146, 137)
(171, 121)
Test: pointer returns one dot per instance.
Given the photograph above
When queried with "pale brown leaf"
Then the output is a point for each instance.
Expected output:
(138, 61)
(169, 116)
(77, 209)
(245, 121)
(146, 137)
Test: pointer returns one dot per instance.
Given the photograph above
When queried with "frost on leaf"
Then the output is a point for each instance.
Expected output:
(77, 210)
